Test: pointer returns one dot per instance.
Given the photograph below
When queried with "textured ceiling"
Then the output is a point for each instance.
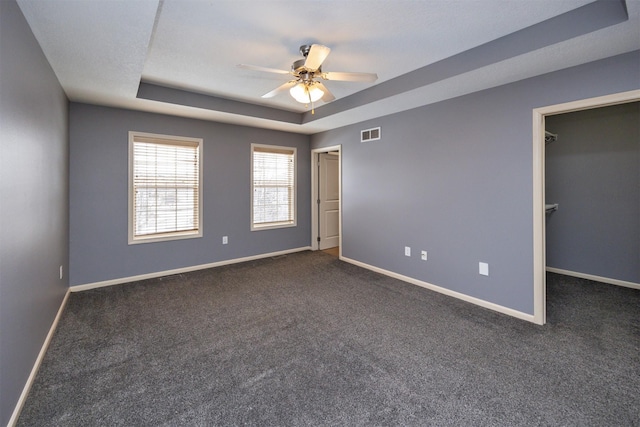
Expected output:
(102, 50)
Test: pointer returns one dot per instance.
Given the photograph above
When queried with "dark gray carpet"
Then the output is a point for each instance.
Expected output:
(306, 339)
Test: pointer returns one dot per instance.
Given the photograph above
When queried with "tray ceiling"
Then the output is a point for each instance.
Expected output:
(179, 57)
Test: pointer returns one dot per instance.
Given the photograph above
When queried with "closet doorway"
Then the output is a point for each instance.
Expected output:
(326, 200)
(539, 225)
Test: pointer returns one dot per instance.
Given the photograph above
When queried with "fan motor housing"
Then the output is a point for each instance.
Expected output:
(298, 68)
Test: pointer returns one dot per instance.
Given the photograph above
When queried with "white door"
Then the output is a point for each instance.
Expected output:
(329, 200)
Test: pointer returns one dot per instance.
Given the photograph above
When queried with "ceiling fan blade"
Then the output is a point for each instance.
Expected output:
(328, 96)
(258, 68)
(317, 55)
(280, 89)
(350, 77)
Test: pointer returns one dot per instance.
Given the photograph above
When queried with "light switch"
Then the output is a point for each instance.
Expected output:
(484, 268)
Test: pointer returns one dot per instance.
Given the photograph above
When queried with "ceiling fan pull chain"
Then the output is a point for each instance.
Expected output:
(313, 111)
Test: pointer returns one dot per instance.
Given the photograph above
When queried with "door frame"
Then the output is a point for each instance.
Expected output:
(539, 230)
(314, 195)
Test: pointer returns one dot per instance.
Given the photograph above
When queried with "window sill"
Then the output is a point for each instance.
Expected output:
(165, 237)
(272, 226)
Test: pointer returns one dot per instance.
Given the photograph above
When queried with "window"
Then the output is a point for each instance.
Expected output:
(272, 187)
(165, 177)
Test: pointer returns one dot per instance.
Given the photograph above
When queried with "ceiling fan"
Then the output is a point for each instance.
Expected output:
(306, 86)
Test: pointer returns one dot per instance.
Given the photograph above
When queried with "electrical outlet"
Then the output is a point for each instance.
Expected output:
(483, 268)
(407, 251)
(423, 255)
(225, 240)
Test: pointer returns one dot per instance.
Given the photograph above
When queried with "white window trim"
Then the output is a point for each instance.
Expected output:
(162, 237)
(259, 227)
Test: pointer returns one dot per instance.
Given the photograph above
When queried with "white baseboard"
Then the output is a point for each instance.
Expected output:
(36, 366)
(79, 288)
(594, 278)
(445, 291)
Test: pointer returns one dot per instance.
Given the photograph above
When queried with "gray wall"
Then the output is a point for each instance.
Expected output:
(98, 194)
(593, 173)
(33, 202)
(455, 179)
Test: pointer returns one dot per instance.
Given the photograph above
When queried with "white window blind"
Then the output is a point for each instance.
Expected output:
(165, 187)
(273, 182)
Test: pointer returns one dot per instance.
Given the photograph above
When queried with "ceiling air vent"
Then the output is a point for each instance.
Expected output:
(370, 135)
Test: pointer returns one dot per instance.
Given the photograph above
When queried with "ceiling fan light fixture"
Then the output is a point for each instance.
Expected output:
(305, 93)
(304, 87)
